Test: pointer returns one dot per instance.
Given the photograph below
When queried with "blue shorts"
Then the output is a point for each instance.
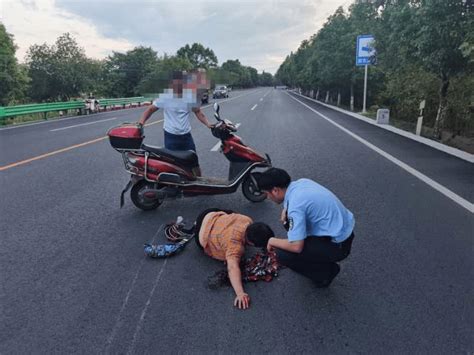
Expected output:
(179, 142)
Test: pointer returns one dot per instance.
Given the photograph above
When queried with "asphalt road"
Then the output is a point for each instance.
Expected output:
(74, 278)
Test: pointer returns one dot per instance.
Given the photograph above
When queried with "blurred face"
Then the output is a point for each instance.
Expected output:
(196, 81)
(277, 194)
(177, 86)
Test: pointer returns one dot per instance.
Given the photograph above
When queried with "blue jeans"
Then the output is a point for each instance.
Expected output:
(179, 142)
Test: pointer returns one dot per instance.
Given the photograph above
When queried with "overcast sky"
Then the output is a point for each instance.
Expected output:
(259, 33)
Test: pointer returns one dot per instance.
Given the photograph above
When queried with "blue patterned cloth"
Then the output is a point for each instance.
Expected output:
(162, 250)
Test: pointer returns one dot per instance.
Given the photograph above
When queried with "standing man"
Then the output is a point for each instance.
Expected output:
(177, 103)
(320, 228)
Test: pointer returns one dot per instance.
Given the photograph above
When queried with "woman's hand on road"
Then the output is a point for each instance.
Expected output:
(242, 301)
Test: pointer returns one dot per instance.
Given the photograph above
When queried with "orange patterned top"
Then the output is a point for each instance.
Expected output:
(222, 235)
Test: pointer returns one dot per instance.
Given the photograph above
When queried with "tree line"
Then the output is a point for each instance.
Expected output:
(62, 71)
(424, 51)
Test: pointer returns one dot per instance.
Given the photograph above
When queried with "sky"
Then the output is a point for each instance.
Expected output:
(259, 33)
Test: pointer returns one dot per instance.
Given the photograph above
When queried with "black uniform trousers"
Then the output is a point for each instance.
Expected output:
(318, 260)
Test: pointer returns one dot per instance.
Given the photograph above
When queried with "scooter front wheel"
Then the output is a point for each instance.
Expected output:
(251, 190)
(137, 195)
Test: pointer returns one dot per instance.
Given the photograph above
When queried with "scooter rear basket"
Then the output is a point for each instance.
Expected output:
(126, 136)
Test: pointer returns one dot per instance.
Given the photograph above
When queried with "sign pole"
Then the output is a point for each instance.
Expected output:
(364, 110)
(365, 55)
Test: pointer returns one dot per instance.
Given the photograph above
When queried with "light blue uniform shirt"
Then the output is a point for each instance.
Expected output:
(313, 210)
(176, 110)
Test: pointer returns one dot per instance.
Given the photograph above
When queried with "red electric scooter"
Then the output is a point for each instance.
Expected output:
(159, 173)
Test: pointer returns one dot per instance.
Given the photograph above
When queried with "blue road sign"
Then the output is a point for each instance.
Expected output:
(365, 52)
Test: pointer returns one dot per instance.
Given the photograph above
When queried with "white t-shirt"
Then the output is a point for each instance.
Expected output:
(176, 110)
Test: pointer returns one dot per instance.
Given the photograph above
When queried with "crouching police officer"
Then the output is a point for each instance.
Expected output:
(320, 228)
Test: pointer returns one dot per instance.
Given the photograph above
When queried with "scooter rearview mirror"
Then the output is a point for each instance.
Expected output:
(216, 107)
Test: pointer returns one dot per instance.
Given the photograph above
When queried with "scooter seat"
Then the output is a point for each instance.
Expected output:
(184, 157)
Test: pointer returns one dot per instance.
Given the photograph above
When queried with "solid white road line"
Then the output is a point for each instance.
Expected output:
(440, 188)
(253, 108)
(82, 124)
(436, 145)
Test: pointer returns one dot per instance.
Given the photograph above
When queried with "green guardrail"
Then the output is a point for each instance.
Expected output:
(13, 111)
(7, 112)
(123, 101)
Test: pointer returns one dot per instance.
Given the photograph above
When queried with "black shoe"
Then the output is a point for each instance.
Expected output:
(326, 282)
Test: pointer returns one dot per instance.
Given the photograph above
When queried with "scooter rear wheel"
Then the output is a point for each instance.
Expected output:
(136, 195)
(251, 191)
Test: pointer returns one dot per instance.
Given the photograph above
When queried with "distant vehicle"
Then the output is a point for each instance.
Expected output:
(281, 87)
(220, 91)
(92, 105)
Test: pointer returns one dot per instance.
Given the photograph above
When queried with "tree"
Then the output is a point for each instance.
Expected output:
(233, 66)
(443, 26)
(13, 79)
(198, 56)
(364, 18)
(421, 45)
(265, 79)
(253, 74)
(125, 71)
(430, 34)
(282, 75)
(241, 76)
(41, 71)
(160, 74)
(57, 72)
(70, 67)
(220, 76)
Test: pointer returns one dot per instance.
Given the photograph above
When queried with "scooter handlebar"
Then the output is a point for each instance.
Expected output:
(140, 127)
(231, 127)
(226, 124)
